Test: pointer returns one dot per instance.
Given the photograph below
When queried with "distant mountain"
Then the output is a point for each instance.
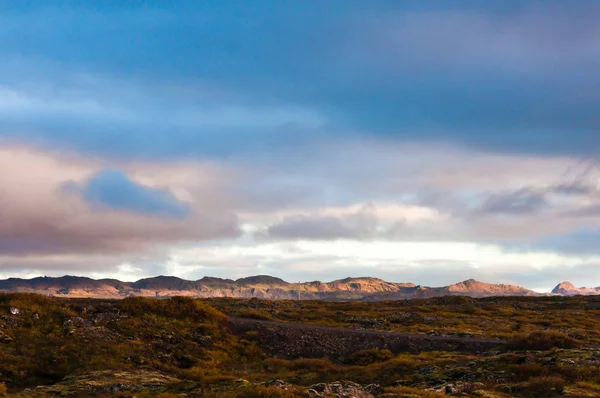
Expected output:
(474, 287)
(264, 286)
(568, 289)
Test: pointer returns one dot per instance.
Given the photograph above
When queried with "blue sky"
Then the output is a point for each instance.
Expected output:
(183, 126)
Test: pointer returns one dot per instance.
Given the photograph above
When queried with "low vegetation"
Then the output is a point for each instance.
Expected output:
(492, 317)
(184, 347)
(543, 340)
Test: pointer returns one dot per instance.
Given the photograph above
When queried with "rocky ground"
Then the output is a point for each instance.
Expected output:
(293, 340)
(183, 348)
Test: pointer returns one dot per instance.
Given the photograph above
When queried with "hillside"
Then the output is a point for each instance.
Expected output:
(261, 286)
(568, 289)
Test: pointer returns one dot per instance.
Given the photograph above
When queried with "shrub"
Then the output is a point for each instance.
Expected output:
(367, 357)
(269, 392)
(543, 340)
(528, 371)
(546, 386)
(176, 307)
(255, 314)
(320, 365)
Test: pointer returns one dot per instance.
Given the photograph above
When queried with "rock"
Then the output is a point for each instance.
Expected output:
(524, 359)
(282, 385)
(427, 370)
(9, 321)
(366, 322)
(75, 321)
(339, 389)
(319, 388)
(4, 338)
(450, 389)
(458, 388)
(374, 389)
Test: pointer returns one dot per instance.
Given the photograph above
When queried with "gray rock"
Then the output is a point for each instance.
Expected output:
(427, 370)
(339, 389)
(374, 389)
(282, 385)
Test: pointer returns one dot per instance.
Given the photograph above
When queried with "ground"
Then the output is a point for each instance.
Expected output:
(494, 347)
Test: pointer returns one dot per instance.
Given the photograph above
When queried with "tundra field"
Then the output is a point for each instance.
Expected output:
(220, 347)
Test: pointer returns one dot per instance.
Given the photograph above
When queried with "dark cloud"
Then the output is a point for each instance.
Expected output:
(185, 79)
(520, 202)
(530, 200)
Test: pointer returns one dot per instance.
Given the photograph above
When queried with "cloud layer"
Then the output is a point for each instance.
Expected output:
(413, 141)
(194, 79)
(460, 213)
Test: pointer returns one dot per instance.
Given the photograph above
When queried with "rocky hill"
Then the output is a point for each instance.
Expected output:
(261, 286)
(568, 289)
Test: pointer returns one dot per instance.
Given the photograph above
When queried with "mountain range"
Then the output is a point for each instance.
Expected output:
(267, 287)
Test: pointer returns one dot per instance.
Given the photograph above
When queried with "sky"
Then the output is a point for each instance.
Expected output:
(414, 141)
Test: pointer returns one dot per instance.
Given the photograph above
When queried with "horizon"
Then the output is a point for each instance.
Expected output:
(421, 142)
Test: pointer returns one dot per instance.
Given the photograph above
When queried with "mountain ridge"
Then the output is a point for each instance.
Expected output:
(267, 287)
(568, 289)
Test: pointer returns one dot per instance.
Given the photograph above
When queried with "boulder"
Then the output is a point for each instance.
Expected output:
(340, 389)
(374, 389)
(282, 385)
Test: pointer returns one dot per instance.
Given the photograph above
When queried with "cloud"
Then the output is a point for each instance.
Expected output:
(427, 263)
(39, 217)
(582, 240)
(357, 225)
(292, 217)
(523, 201)
(189, 125)
(168, 84)
(113, 189)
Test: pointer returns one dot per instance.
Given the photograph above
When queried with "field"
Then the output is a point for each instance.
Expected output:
(493, 347)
